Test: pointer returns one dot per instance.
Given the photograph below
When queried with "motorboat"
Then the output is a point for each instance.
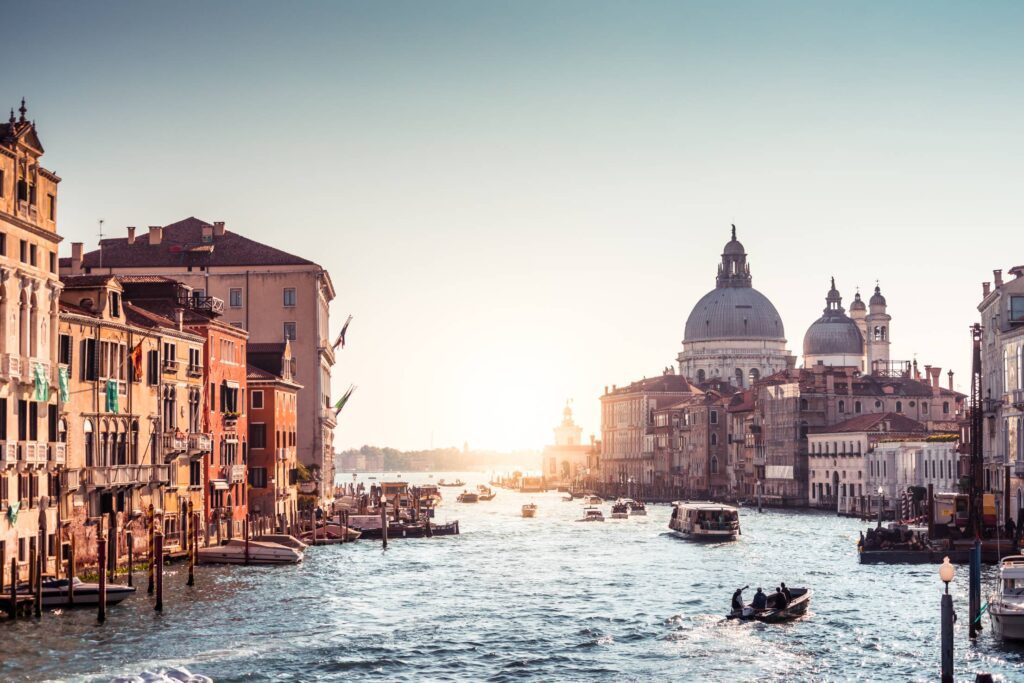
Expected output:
(467, 497)
(775, 612)
(620, 510)
(592, 500)
(705, 521)
(457, 482)
(286, 540)
(259, 552)
(55, 593)
(592, 514)
(1006, 609)
(567, 499)
(637, 508)
(529, 510)
(487, 494)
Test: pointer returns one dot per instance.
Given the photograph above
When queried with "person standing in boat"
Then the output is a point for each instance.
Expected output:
(737, 599)
(786, 593)
(760, 600)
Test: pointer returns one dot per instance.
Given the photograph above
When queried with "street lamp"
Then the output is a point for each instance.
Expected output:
(946, 573)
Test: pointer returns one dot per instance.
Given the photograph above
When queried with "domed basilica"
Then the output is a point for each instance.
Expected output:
(734, 332)
(859, 340)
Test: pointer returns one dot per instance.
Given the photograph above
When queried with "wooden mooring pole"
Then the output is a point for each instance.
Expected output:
(14, 588)
(245, 531)
(384, 523)
(101, 556)
(72, 570)
(149, 548)
(158, 542)
(39, 581)
(191, 541)
(131, 556)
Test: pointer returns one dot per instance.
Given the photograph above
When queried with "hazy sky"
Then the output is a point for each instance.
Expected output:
(520, 202)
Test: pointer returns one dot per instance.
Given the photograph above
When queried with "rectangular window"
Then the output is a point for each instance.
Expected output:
(32, 254)
(289, 296)
(51, 423)
(714, 417)
(235, 297)
(257, 435)
(1, 182)
(289, 331)
(51, 207)
(64, 349)
(258, 477)
(88, 356)
(115, 304)
(33, 421)
(257, 398)
(53, 262)
(23, 251)
(22, 420)
(1017, 309)
(3, 244)
(152, 368)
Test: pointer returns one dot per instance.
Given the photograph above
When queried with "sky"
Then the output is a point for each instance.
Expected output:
(520, 202)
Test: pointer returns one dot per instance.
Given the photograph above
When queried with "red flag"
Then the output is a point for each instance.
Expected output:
(137, 362)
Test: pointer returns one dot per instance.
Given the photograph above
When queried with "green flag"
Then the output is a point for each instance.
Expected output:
(42, 383)
(62, 384)
(12, 512)
(343, 400)
(112, 396)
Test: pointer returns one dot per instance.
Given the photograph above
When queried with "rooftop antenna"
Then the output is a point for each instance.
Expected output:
(101, 244)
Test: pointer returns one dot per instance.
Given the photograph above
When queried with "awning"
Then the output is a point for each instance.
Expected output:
(219, 485)
(231, 384)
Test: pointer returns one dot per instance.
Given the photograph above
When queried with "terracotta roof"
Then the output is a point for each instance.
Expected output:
(742, 401)
(265, 347)
(182, 245)
(253, 372)
(661, 383)
(140, 316)
(76, 310)
(872, 422)
(144, 278)
(75, 281)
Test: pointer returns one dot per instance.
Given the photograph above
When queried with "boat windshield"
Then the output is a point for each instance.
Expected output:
(1013, 586)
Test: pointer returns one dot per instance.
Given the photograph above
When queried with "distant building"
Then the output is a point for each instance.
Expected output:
(566, 460)
(860, 340)
(896, 465)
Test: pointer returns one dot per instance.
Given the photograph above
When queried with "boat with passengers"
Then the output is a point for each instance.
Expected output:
(705, 521)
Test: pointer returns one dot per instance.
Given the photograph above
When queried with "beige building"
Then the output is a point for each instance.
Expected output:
(566, 460)
(31, 455)
(273, 295)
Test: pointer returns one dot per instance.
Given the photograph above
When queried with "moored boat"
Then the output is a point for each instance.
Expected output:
(259, 552)
(776, 609)
(592, 514)
(1006, 609)
(55, 593)
(705, 521)
(529, 510)
(286, 540)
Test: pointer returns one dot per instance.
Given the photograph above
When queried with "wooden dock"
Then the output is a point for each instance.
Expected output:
(22, 606)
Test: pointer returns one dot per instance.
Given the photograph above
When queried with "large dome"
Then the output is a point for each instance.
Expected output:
(734, 313)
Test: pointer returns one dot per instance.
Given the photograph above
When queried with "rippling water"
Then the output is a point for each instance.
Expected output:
(515, 599)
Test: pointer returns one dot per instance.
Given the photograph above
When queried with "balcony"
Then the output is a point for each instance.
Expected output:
(195, 371)
(235, 473)
(200, 443)
(113, 475)
(175, 443)
(282, 454)
(59, 453)
(327, 415)
(33, 454)
(169, 366)
(8, 455)
(1018, 468)
(157, 474)
(1015, 398)
(72, 479)
(202, 303)
(10, 366)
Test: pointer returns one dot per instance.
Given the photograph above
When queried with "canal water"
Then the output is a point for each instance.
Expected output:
(514, 599)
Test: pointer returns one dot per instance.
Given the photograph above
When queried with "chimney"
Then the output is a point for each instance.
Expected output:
(951, 380)
(928, 374)
(218, 228)
(207, 233)
(998, 276)
(984, 289)
(156, 234)
(76, 258)
(180, 318)
(936, 373)
(131, 234)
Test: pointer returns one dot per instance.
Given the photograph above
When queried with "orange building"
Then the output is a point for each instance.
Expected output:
(273, 420)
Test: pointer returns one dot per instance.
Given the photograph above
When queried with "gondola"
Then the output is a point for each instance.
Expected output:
(773, 614)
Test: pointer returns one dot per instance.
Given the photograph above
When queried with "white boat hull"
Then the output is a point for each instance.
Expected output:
(56, 594)
(1007, 625)
(260, 552)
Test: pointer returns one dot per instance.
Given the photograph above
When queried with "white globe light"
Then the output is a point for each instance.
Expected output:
(946, 571)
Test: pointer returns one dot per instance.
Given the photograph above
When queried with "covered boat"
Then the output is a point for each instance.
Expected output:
(529, 510)
(1006, 609)
(259, 552)
(592, 514)
(705, 521)
(775, 611)
(620, 510)
(55, 593)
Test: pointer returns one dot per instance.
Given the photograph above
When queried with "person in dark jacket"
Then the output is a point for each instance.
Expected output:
(760, 599)
(786, 592)
(1011, 528)
(737, 600)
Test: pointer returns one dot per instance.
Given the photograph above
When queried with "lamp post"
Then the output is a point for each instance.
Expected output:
(946, 573)
(881, 503)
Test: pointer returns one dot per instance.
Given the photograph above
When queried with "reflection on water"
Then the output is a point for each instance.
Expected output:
(515, 599)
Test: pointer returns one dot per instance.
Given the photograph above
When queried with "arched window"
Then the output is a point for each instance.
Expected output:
(714, 439)
(135, 454)
(945, 407)
(856, 407)
(899, 406)
(701, 375)
(924, 407)
(755, 375)
(739, 378)
(842, 406)
(803, 404)
(90, 446)
(714, 465)
(62, 431)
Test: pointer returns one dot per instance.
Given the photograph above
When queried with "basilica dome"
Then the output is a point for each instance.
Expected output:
(734, 313)
(834, 333)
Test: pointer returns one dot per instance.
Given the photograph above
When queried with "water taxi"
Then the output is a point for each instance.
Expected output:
(705, 521)
(529, 510)
(592, 514)
(1006, 609)
(620, 510)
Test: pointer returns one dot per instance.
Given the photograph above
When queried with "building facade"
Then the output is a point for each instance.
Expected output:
(565, 461)
(273, 295)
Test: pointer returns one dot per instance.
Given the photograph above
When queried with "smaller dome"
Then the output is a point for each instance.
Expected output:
(858, 303)
(734, 248)
(877, 299)
(834, 333)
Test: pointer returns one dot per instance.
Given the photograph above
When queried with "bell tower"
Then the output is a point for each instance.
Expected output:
(877, 327)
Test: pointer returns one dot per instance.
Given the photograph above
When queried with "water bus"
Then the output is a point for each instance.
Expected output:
(705, 521)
